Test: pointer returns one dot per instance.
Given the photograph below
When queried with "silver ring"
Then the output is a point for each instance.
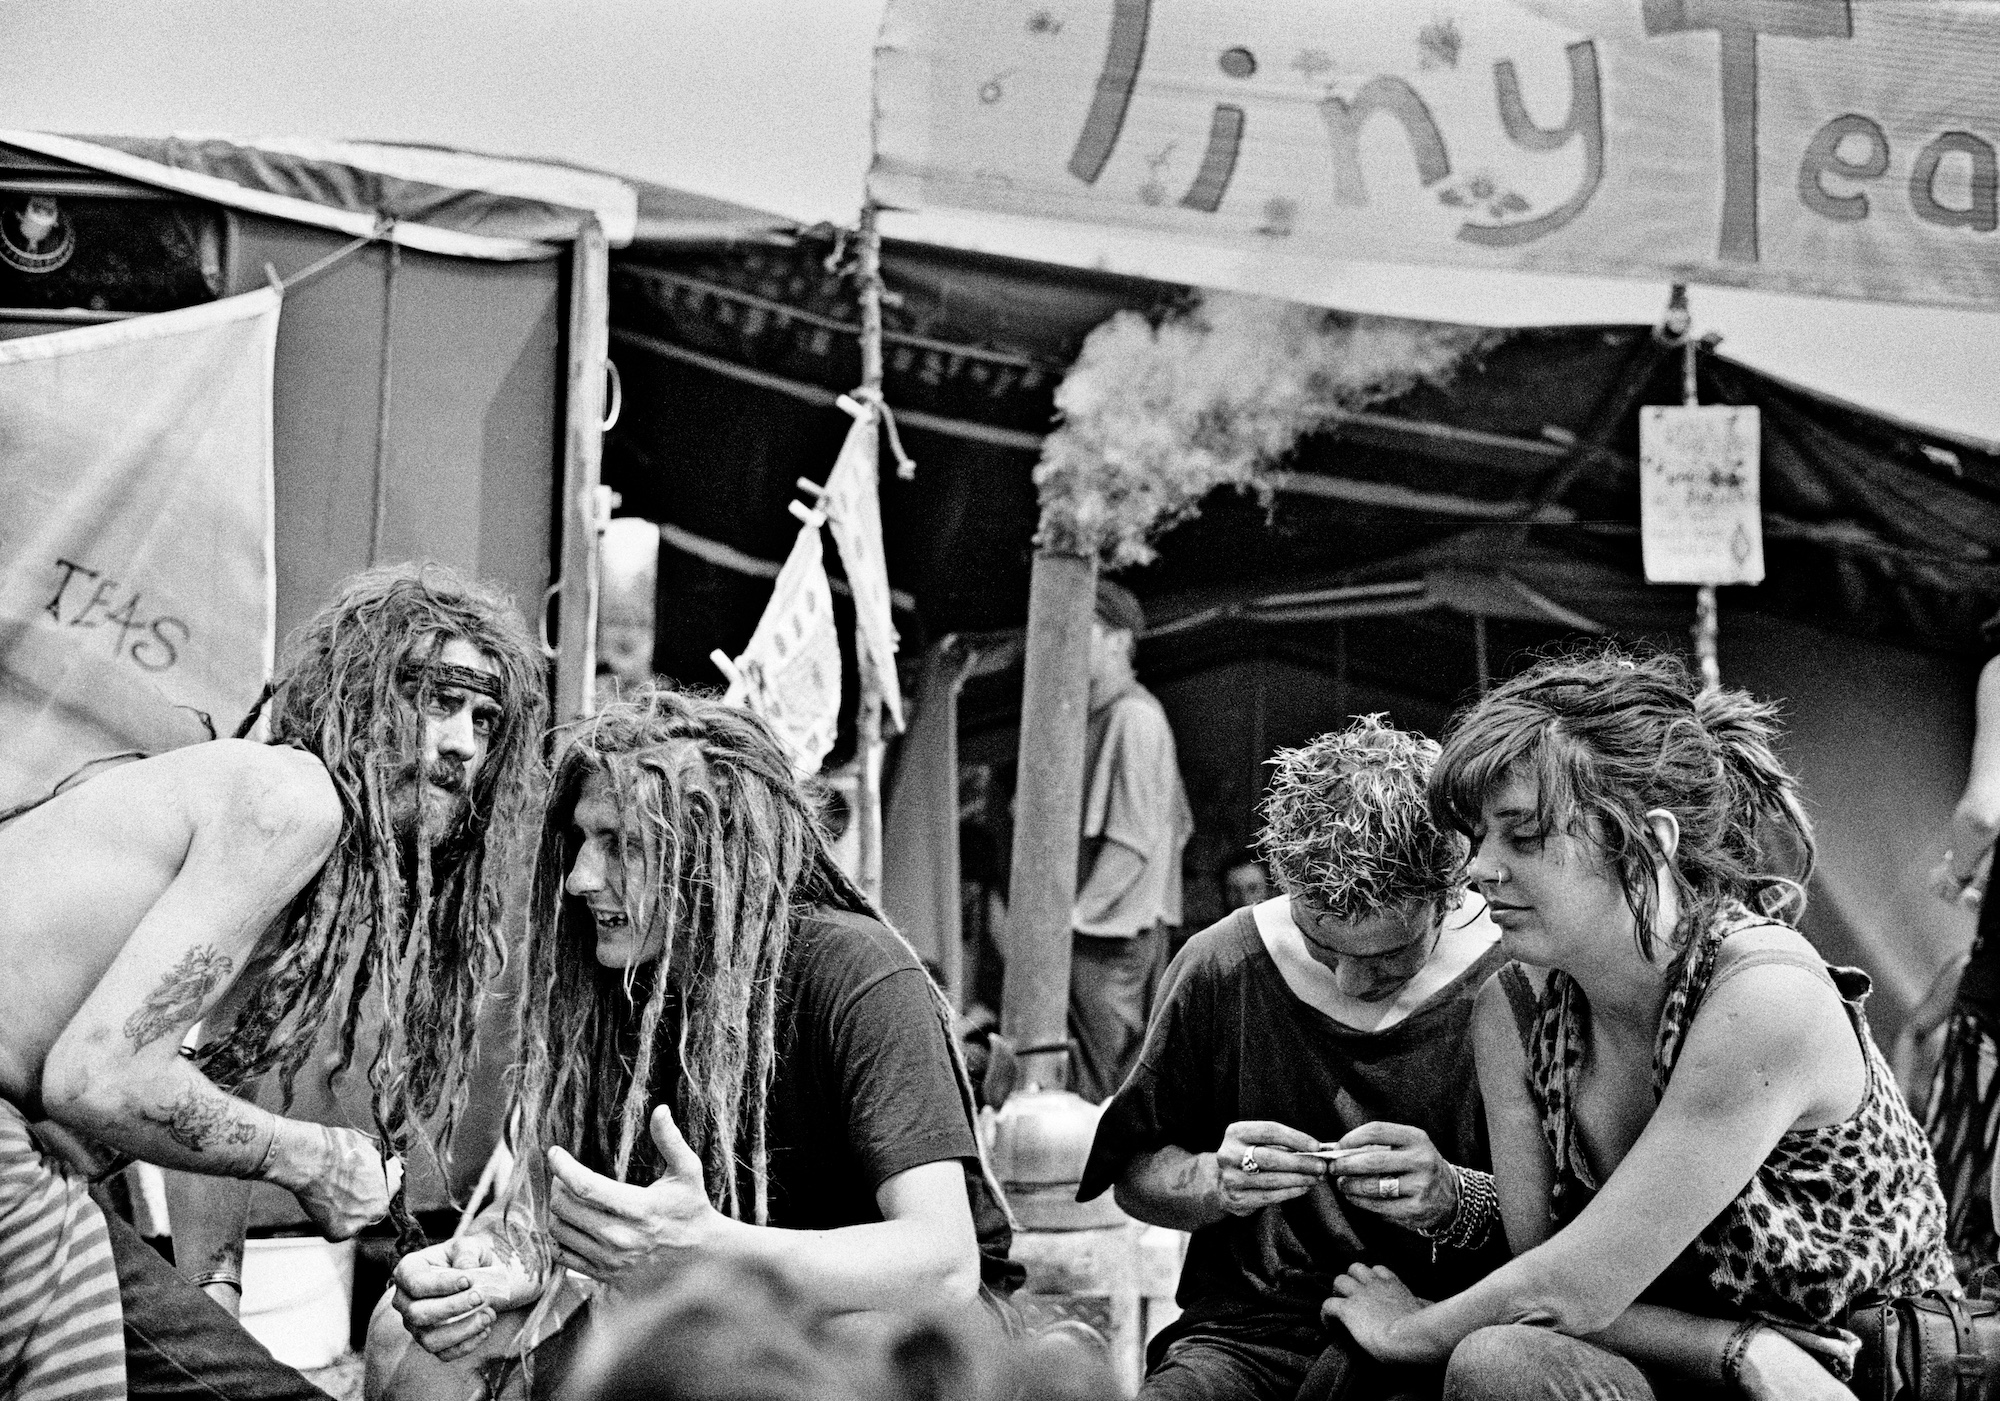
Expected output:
(1250, 1163)
(1389, 1186)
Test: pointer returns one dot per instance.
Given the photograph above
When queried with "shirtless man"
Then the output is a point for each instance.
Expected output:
(406, 718)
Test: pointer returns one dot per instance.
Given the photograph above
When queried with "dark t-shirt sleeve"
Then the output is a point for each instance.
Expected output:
(1168, 1098)
(904, 1104)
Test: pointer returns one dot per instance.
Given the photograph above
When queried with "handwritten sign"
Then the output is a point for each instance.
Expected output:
(1822, 146)
(1699, 517)
(136, 578)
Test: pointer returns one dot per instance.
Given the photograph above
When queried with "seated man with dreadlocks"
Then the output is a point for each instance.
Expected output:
(237, 883)
(726, 1054)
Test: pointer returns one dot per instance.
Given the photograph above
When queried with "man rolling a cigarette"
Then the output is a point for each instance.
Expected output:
(1305, 1098)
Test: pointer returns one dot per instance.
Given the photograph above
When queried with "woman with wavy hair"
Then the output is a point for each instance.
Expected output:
(1701, 1157)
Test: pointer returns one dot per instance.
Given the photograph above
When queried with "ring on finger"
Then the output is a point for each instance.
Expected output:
(1388, 1186)
(1250, 1163)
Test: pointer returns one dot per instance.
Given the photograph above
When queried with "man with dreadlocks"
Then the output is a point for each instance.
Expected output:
(1335, 1016)
(727, 1054)
(239, 885)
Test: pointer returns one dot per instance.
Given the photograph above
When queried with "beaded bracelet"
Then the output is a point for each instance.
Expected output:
(1478, 1208)
(1733, 1350)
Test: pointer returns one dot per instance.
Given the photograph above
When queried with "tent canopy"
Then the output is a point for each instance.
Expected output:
(1409, 552)
(458, 203)
(1527, 458)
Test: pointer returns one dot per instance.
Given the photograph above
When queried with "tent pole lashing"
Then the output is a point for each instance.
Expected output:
(868, 713)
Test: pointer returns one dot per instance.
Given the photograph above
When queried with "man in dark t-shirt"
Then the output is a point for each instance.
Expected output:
(1333, 1017)
(725, 1054)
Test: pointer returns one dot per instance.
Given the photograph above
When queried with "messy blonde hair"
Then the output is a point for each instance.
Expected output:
(1606, 736)
(1345, 822)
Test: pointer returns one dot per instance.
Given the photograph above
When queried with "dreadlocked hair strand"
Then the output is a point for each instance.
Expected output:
(415, 927)
(1605, 736)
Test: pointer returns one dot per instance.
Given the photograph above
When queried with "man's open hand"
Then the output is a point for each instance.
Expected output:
(450, 1294)
(606, 1229)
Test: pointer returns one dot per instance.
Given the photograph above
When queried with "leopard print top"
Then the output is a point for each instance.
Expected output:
(1834, 1214)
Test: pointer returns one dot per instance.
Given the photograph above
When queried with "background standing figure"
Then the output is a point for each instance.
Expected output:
(1136, 820)
(1962, 1092)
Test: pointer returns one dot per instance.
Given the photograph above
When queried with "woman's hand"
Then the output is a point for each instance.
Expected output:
(1403, 1178)
(1261, 1164)
(1777, 1369)
(1369, 1302)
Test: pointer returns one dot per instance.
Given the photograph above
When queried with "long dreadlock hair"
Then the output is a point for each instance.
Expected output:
(418, 925)
(732, 851)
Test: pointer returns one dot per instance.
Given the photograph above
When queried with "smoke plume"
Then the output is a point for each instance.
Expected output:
(1154, 417)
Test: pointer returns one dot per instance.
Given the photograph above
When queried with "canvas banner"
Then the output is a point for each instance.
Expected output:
(1829, 147)
(790, 671)
(136, 574)
(853, 508)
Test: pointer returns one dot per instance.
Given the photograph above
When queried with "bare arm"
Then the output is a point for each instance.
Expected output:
(1683, 1343)
(1976, 819)
(261, 827)
(1913, 1054)
(1774, 1028)
(923, 1252)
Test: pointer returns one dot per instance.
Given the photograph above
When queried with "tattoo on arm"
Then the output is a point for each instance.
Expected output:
(197, 1120)
(176, 1002)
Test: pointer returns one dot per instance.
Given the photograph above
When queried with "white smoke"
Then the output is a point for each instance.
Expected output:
(1155, 417)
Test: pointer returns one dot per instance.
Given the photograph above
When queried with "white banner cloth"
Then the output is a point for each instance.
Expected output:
(136, 573)
(790, 671)
(854, 509)
(1828, 147)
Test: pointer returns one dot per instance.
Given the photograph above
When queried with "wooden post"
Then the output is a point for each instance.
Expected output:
(868, 712)
(583, 449)
(1707, 620)
(1048, 810)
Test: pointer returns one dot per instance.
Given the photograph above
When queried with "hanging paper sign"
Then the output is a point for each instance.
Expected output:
(854, 510)
(790, 672)
(1700, 521)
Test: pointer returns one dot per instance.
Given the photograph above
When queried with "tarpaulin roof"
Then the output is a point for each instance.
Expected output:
(457, 203)
(1525, 464)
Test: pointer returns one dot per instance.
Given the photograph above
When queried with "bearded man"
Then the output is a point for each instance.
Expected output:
(728, 1055)
(1306, 1097)
(240, 886)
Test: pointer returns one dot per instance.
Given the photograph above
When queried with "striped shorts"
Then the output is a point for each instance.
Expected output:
(61, 1329)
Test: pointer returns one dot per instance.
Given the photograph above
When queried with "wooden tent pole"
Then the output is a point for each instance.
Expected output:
(868, 713)
(583, 449)
(1706, 619)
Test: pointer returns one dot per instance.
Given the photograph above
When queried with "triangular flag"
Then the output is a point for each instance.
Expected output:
(790, 671)
(855, 512)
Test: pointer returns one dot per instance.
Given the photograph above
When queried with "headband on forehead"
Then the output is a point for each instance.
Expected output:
(440, 675)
